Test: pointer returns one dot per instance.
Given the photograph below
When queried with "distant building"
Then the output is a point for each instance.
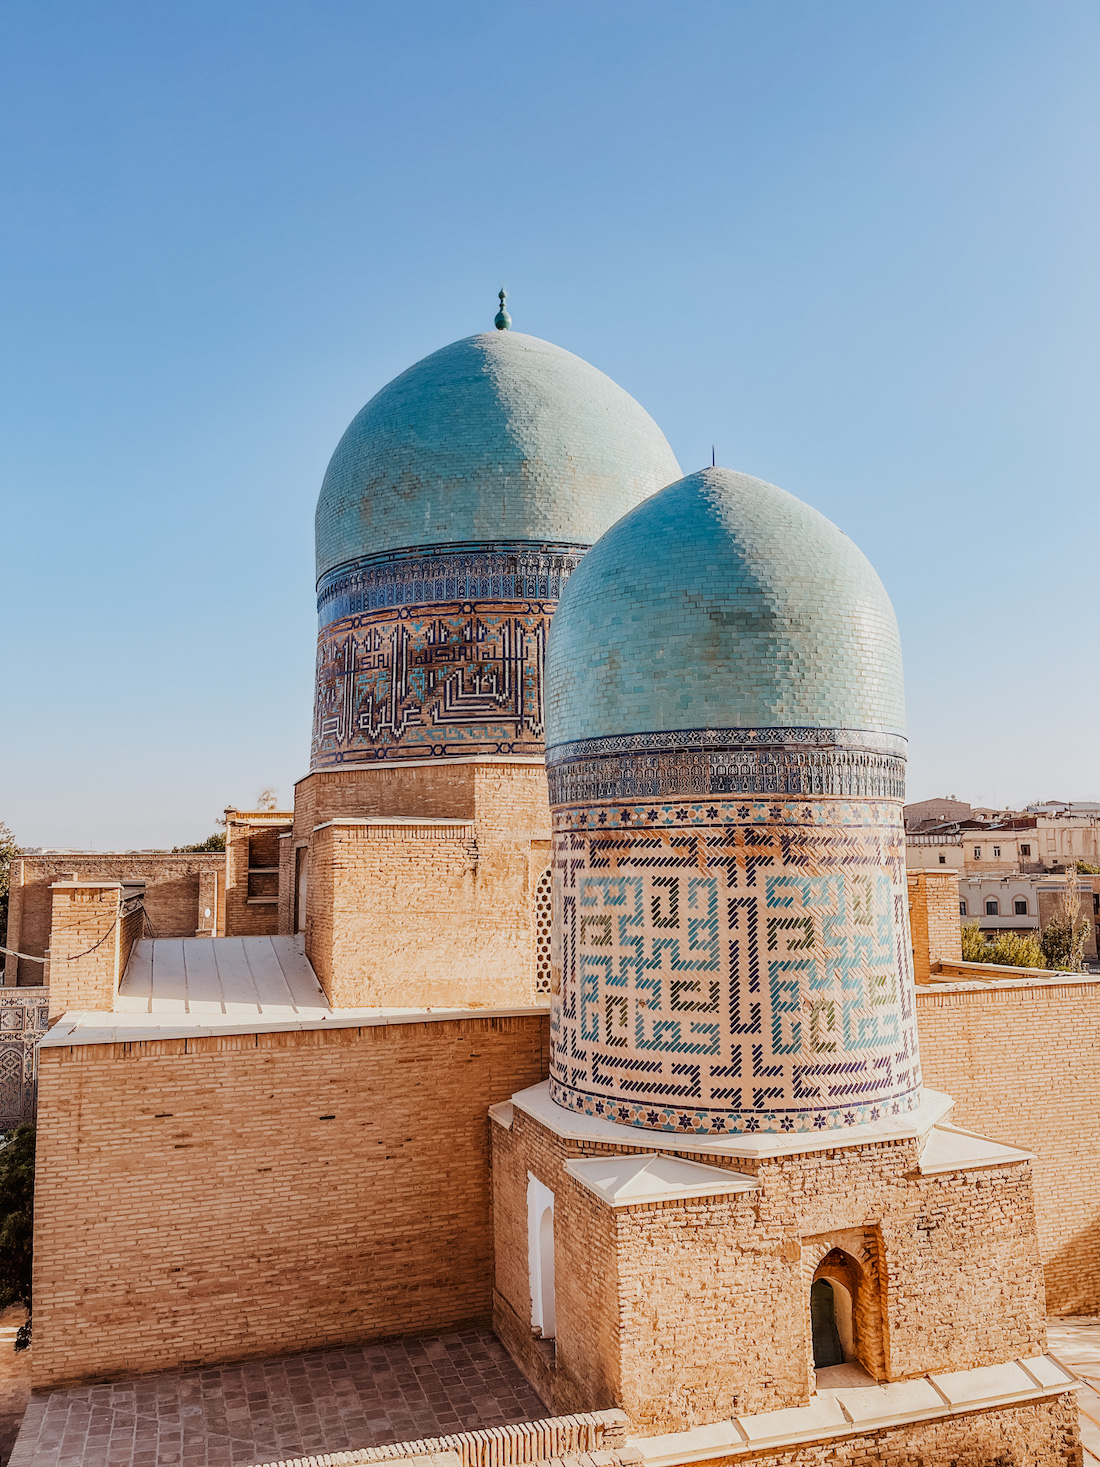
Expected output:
(935, 810)
(230, 893)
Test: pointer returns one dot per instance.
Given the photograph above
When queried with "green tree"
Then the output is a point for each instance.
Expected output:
(1066, 933)
(17, 1222)
(1064, 944)
(8, 850)
(215, 842)
(1006, 949)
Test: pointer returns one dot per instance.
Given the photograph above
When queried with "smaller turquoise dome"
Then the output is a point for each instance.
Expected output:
(722, 602)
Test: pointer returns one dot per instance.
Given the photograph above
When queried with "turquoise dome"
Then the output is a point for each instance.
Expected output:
(722, 602)
(499, 437)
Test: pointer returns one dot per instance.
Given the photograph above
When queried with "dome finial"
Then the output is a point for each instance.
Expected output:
(503, 321)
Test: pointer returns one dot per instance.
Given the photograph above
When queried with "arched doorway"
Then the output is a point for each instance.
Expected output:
(834, 1294)
(827, 1347)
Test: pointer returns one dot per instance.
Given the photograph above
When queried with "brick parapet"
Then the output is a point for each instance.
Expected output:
(268, 1193)
(252, 867)
(530, 1442)
(1022, 1061)
(422, 891)
(1040, 1433)
(171, 896)
(933, 919)
(92, 931)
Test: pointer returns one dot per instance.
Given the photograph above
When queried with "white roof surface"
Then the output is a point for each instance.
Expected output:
(182, 987)
(578, 1126)
(949, 1149)
(627, 1181)
(239, 977)
(855, 1411)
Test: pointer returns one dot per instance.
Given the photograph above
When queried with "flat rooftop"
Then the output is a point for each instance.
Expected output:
(211, 977)
(183, 987)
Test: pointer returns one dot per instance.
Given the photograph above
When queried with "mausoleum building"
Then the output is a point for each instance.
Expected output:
(578, 1001)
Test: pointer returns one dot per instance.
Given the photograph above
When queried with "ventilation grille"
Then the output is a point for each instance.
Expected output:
(542, 932)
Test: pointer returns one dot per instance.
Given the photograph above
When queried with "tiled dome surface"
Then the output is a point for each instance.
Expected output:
(722, 602)
(499, 437)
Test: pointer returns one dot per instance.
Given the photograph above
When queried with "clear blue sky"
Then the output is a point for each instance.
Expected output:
(853, 245)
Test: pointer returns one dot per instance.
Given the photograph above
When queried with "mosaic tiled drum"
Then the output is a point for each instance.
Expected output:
(455, 507)
(726, 754)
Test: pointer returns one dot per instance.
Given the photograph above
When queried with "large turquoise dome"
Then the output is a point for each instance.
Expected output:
(723, 602)
(500, 437)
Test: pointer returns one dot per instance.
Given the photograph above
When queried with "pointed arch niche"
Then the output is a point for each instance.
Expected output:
(540, 1257)
(846, 1266)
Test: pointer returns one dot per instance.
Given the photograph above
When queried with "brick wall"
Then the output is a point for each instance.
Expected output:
(193, 1205)
(1023, 1064)
(171, 895)
(585, 1375)
(934, 921)
(684, 1312)
(90, 936)
(442, 791)
(415, 913)
(252, 871)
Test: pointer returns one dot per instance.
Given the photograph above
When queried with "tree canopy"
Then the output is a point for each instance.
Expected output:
(215, 842)
(16, 1216)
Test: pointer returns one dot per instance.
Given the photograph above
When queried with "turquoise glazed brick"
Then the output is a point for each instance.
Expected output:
(723, 602)
(500, 437)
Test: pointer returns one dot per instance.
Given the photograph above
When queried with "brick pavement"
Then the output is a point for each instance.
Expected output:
(233, 1415)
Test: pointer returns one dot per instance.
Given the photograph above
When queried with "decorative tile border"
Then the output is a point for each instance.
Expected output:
(436, 656)
(23, 1021)
(518, 572)
(793, 761)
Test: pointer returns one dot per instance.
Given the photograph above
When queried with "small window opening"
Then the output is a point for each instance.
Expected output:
(992, 908)
(943, 860)
(1019, 906)
(1025, 850)
(540, 1257)
(962, 909)
(977, 853)
(996, 850)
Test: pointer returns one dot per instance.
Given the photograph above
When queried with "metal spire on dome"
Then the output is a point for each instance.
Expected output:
(503, 321)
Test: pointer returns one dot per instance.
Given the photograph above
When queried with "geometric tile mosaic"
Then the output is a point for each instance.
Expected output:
(23, 1022)
(732, 966)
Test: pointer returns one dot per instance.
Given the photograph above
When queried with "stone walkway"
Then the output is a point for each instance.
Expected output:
(15, 1379)
(240, 1414)
(1076, 1343)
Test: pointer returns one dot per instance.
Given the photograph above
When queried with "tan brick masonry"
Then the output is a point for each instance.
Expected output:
(220, 1199)
(92, 932)
(421, 891)
(687, 1312)
(1023, 1064)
